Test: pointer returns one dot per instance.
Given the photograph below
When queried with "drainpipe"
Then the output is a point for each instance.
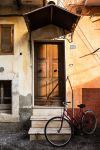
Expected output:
(72, 95)
(30, 42)
(31, 63)
(44, 2)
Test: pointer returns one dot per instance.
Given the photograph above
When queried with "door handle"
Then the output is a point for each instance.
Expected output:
(55, 70)
(39, 71)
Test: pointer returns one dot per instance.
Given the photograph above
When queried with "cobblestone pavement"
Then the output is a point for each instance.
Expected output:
(20, 141)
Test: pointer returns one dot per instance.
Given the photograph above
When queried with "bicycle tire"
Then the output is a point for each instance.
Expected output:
(89, 122)
(54, 137)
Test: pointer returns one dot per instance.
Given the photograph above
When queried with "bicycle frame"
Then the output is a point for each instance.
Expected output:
(73, 121)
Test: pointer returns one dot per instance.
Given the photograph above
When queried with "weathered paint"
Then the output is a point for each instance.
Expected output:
(18, 64)
(83, 69)
(25, 101)
(17, 68)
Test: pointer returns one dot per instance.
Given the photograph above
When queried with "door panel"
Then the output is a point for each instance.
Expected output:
(41, 52)
(41, 90)
(91, 98)
(55, 70)
(55, 93)
(41, 70)
(48, 80)
(55, 52)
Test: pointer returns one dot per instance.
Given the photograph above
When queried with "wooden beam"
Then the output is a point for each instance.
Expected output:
(18, 2)
(44, 2)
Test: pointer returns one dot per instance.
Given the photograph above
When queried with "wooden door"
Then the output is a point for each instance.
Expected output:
(49, 73)
(91, 98)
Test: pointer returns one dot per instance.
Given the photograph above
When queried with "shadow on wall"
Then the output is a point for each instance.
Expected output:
(25, 115)
(89, 94)
(25, 111)
(91, 97)
(49, 32)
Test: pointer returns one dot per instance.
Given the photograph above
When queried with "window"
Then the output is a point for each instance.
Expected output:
(5, 96)
(6, 39)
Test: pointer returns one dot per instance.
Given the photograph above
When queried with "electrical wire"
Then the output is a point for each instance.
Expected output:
(87, 47)
(90, 53)
(60, 3)
(88, 43)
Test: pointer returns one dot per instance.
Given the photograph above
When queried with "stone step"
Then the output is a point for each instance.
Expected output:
(36, 118)
(39, 121)
(50, 131)
(38, 133)
(47, 111)
(41, 114)
(38, 124)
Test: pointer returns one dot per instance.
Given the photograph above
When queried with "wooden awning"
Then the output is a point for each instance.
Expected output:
(51, 14)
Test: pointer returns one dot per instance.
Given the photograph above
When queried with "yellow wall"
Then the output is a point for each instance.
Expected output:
(18, 64)
(84, 72)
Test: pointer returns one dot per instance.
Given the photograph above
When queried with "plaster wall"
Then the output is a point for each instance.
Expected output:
(82, 69)
(83, 66)
(17, 68)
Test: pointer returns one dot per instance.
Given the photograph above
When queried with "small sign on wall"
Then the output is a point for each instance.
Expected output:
(1, 69)
(72, 46)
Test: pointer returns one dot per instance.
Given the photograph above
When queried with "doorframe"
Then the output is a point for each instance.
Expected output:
(33, 70)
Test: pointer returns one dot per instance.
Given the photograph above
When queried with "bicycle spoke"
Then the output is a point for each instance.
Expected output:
(89, 122)
(58, 133)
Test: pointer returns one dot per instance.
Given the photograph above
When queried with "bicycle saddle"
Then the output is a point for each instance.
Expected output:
(81, 105)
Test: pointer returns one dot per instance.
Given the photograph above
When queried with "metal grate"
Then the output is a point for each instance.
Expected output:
(5, 95)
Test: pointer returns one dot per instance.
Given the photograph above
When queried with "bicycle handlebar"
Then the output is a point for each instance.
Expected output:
(65, 103)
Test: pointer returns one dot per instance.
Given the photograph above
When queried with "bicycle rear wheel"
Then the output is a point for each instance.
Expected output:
(89, 122)
(58, 132)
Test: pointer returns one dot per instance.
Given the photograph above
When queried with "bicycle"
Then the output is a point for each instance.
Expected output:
(59, 130)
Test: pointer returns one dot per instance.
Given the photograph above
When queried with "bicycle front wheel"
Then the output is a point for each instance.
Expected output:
(89, 122)
(58, 131)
